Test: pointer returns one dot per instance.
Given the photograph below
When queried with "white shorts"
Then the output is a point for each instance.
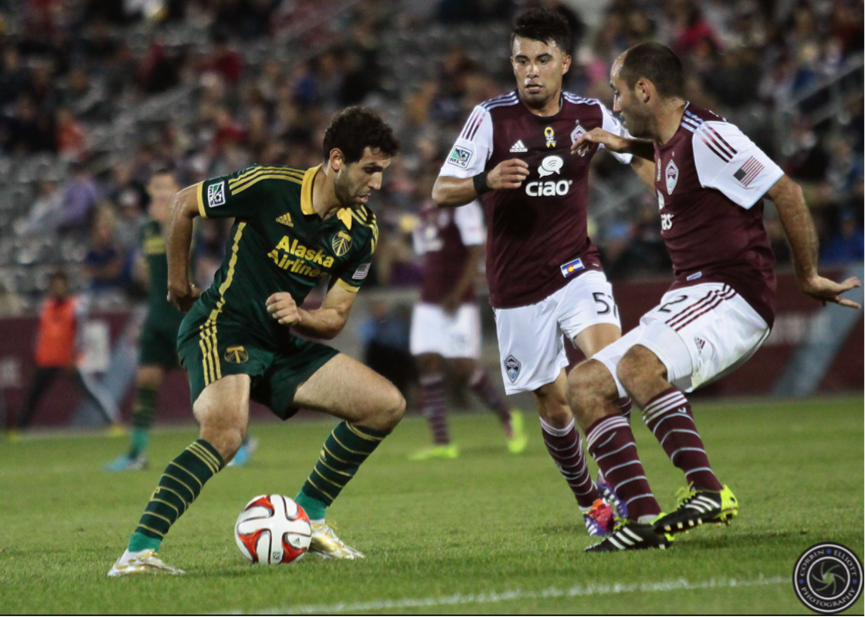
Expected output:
(531, 347)
(456, 335)
(699, 333)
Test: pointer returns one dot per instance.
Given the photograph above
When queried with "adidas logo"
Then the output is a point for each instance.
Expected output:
(519, 146)
(285, 219)
(700, 344)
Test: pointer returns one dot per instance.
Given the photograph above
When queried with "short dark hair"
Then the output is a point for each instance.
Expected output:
(354, 129)
(165, 169)
(58, 275)
(658, 64)
(543, 25)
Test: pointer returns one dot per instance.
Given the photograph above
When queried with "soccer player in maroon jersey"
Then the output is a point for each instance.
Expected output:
(544, 273)
(446, 323)
(710, 181)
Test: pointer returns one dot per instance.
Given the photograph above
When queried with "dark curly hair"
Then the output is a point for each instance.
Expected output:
(544, 25)
(355, 128)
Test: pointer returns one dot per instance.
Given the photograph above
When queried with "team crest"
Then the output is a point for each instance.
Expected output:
(577, 133)
(341, 243)
(512, 368)
(236, 355)
(550, 137)
(672, 176)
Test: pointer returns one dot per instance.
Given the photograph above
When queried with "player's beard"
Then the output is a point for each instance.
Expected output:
(637, 124)
(343, 193)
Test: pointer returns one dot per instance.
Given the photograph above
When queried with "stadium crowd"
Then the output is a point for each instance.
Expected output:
(67, 69)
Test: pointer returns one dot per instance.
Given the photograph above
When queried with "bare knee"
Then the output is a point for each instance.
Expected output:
(225, 437)
(388, 412)
(641, 373)
(592, 392)
(553, 406)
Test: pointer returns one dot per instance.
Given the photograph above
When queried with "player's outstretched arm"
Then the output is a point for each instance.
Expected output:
(802, 237)
(178, 239)
(322, 323)
(614, 143)
(450, 191)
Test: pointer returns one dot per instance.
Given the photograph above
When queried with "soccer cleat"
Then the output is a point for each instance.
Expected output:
(631, 536)
(325, 543)
(127, 462)
(697, 507)
(611, 498)
(599, 519)
(141, 562)
(517, 440)
(115, 430)
(247, 449)
(448, 451)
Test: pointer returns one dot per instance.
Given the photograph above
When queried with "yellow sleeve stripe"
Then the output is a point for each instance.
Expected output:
(272, 176)
(200, 193)
(347, 287)
(257, 170)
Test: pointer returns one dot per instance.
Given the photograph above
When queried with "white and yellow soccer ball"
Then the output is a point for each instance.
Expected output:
(272, 529)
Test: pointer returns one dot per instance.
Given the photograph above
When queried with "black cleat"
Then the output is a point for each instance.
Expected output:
(698, 507)
(630, 536)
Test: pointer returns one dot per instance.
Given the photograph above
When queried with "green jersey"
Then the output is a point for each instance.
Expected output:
(153, 249)
(279, 244)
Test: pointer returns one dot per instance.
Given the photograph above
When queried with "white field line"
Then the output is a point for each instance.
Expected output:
(518, 594)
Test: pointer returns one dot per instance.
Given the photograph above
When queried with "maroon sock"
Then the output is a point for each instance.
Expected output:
(625, 407)
(669, 417)
(565, 445)
(611, 443)
(491, 396)
(432, 394)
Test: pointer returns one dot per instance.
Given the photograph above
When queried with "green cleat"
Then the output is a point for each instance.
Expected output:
(697, 507)
(518, 440)
(448, 451)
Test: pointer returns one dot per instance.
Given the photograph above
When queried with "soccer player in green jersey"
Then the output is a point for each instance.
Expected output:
(157, 345)
(239, 340)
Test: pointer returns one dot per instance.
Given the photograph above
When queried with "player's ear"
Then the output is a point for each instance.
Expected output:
(643, 90)
(566, 64)
(337, 159)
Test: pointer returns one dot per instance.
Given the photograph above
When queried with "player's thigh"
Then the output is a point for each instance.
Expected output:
(585, 302)
(701, 333)
(531, 348)
(345, 388)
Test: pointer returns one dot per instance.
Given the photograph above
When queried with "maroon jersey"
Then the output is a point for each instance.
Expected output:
(537, 238)
(442, 237)
(710, 182)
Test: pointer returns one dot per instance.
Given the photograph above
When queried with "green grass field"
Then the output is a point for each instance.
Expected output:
(485, 533)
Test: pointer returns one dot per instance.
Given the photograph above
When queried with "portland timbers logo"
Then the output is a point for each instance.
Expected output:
(236, 355)
(341, 243)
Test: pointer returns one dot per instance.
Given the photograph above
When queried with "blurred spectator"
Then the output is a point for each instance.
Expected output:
(384, 335)
(46, 214)
(79, 196)
(223, 59)
(10, 303)
(105, 262)
(846, 245)
(71, 138)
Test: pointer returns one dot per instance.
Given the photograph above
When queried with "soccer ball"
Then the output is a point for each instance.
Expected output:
(272, 529)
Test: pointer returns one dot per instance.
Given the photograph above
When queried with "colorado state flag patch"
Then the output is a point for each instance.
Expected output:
(572, 267)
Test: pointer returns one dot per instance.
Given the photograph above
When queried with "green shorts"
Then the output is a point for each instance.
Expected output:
(157, 344)
(211, 350)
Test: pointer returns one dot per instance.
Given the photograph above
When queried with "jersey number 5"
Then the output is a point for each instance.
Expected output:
(606, 304)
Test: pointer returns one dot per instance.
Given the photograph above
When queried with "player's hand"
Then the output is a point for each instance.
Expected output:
(830, 291)
(184, 300)
(283, 308)
(508, 174)
(611, 142)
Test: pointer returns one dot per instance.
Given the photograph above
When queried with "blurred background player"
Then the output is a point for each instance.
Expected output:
(709, 184)
(446, 324)
(544, 273)
(58, 345)
(157, 345)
